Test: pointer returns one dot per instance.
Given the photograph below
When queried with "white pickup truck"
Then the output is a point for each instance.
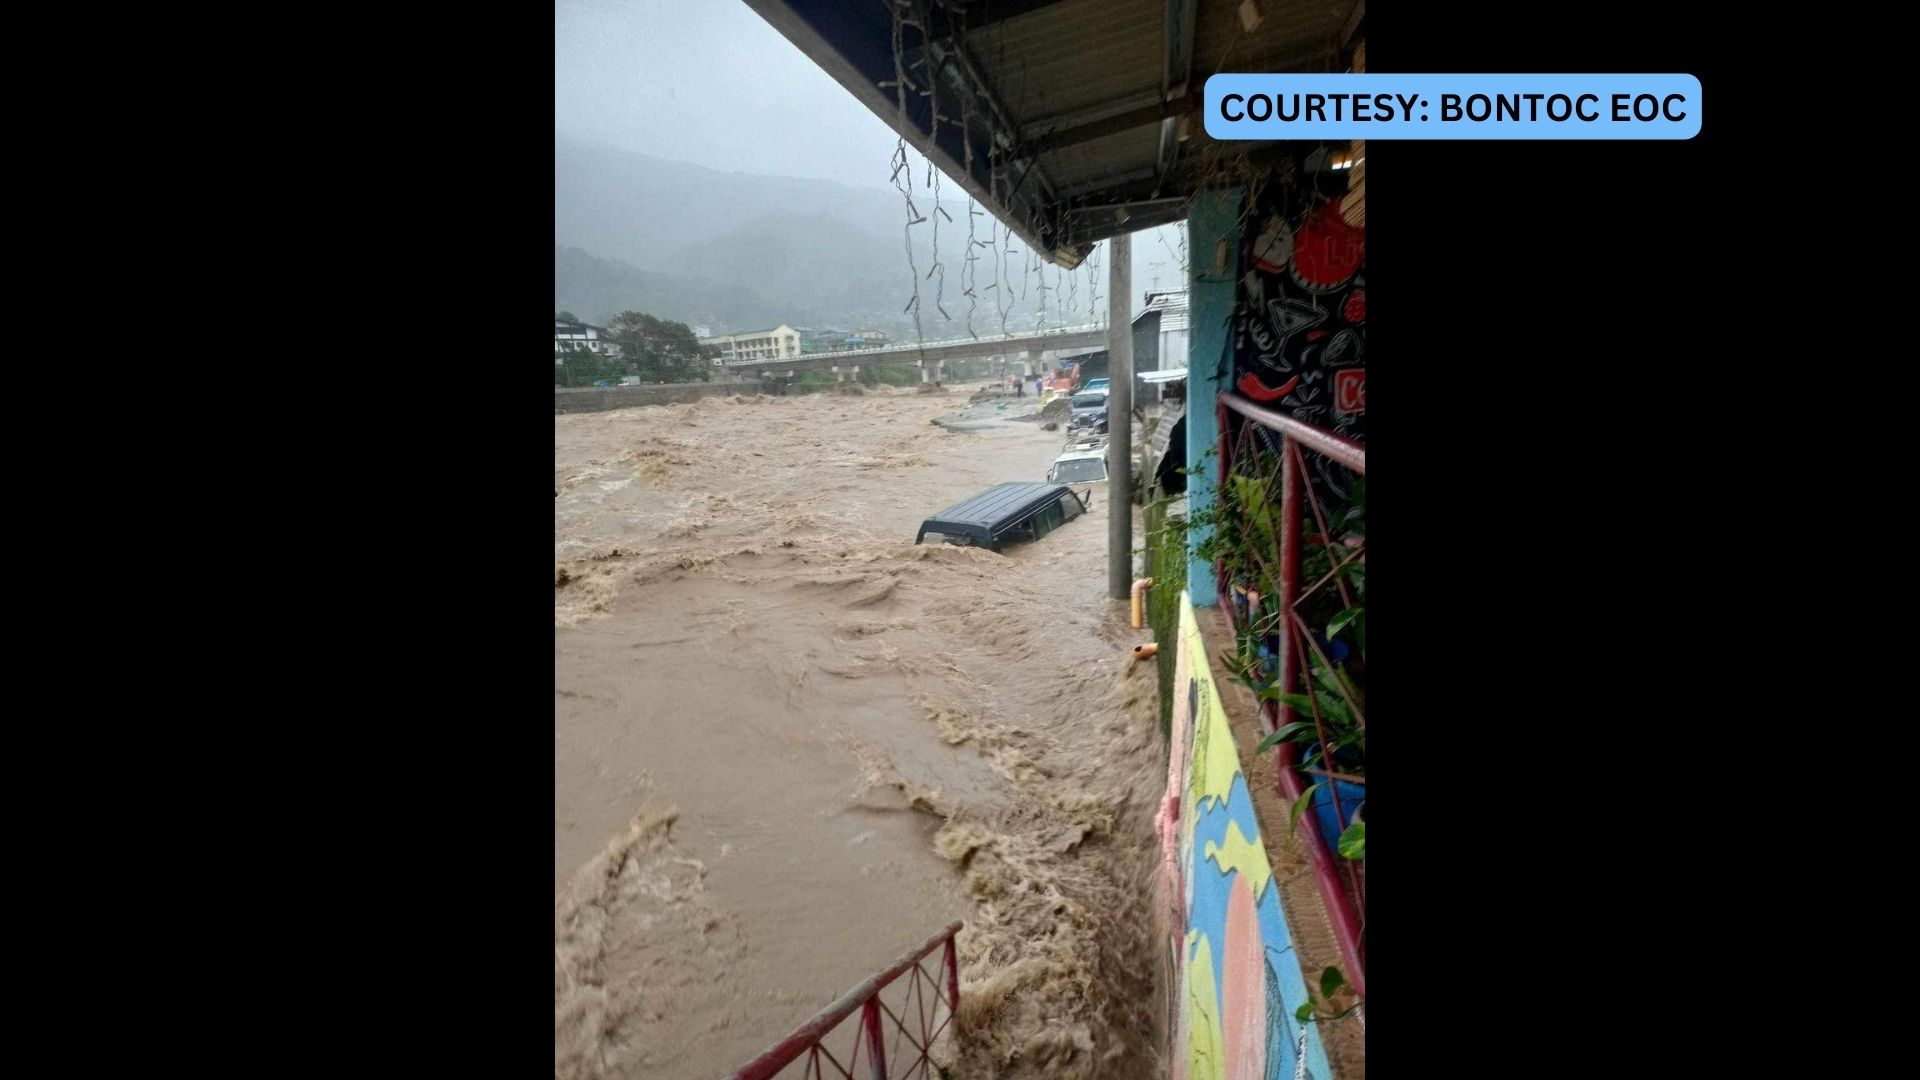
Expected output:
(1081, 464)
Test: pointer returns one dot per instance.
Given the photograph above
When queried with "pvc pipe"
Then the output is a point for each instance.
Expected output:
(1140, 585)
(1143, 652)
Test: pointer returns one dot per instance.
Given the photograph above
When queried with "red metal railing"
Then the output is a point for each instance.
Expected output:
(808, 1045)
(1342, 883)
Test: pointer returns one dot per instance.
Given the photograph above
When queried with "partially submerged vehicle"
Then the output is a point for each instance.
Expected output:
(1003, 514)
(1083, 463)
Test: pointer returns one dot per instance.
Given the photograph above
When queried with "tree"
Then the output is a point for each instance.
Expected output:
(582, 367)
(660, 350)
(565, 316)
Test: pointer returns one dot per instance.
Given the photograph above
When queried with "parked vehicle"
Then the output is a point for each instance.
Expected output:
(1089, 411)
(1095, 384)
(1003, 514)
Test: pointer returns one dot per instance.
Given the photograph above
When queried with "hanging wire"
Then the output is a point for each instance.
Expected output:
(1007, 283)
(932, 93)
(901, 166)
(968, 268)
(1096, 277)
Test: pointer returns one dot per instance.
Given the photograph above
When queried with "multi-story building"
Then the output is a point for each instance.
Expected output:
(776, 344)
(568, 337)
(819, 341)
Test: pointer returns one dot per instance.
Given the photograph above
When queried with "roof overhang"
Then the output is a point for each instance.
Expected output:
(1072, 120)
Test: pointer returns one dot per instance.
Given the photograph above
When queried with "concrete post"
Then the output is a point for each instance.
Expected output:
(1213, 230)
(1120, 417)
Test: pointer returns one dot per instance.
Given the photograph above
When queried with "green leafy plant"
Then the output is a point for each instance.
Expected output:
(1299, 806)
(1318, 1006)
(1353, 842)
(1343, 730)
(1242, 527)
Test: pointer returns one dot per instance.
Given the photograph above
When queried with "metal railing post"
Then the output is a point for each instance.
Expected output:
(952, 961)
(876, 1044)
(1287, 661)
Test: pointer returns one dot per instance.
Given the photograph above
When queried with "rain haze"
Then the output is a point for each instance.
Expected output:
(707, 172)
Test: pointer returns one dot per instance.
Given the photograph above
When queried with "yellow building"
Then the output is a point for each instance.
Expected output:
(778, 343)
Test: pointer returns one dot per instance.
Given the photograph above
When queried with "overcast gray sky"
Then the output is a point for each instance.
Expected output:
(709, 82)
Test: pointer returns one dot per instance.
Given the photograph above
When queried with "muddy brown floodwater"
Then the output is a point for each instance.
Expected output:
(789, 743)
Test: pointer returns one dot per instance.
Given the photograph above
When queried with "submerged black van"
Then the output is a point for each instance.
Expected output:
(1003, 514)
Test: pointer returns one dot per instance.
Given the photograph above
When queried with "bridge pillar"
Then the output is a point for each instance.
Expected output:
(1034, 363)
(931, 371)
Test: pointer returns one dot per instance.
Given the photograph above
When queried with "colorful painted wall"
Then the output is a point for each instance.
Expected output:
(1236, 981)
(1300, 327)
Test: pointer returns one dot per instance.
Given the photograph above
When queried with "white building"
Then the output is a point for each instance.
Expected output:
(778, 343)
(583, 336)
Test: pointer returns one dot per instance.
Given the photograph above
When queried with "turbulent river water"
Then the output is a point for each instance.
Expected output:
(789, 743)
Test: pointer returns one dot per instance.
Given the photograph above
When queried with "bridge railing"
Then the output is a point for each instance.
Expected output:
(908, 348)
(922, 1010)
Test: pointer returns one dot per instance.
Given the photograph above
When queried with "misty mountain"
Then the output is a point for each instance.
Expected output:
(641, 209)
(715, 246)
(598, 289)
(813, 262)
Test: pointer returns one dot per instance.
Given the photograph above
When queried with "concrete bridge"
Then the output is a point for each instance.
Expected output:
(1029, 350)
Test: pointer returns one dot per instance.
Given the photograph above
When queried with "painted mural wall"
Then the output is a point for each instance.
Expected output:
(1236, 981)
(1300, 327)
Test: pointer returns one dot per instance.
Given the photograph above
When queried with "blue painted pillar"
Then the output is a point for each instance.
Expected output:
(1213, 240)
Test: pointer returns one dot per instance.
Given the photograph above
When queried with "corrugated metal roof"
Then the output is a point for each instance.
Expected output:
(1172, 306)
(1078, 86)
(1072, 54)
